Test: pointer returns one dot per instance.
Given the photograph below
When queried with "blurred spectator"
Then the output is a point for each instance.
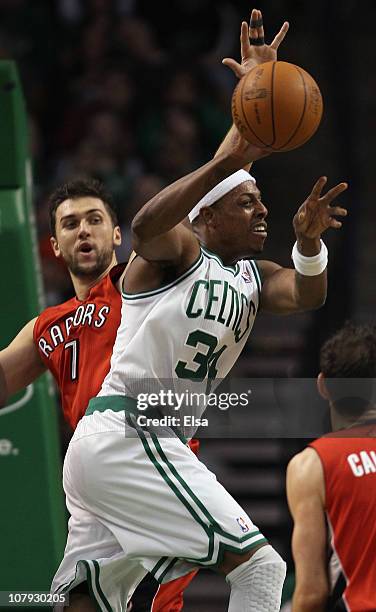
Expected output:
(178, 152)
(136, 41)
(146, 186)
(115, 90)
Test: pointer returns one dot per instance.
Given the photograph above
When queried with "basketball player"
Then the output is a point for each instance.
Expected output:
(189, 302)
(331, 485)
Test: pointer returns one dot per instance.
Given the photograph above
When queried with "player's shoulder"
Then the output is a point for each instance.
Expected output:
(332, 442)
(305, 468)
(251, 266)
(305, 479)
(52, 313)
(266, 268)
(27, 330)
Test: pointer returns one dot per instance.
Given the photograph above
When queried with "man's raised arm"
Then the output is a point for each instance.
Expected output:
(157, 230)
(20, 363)
(287, 290)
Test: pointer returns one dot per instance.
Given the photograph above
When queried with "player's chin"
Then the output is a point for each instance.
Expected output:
(257, 244)
(86, 269)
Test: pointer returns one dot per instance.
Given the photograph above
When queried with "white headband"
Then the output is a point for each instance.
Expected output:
(220, 190)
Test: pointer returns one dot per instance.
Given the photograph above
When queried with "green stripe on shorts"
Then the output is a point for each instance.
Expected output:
(254, 537)
(208, 529)
(94, 587)
(213, 523)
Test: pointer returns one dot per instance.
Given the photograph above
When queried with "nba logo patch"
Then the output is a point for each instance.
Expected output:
(242, 524)
(246, 276)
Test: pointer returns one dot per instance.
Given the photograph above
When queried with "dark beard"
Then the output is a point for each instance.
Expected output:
(103, 261)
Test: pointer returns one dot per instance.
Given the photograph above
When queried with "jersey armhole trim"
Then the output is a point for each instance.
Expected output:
(116, 272)
(145, 294)
(257, 277)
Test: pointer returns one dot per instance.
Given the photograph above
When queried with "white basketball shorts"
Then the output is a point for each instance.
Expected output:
(141, 503)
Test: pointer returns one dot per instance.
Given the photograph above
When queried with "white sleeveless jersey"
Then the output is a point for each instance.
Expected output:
(192, 329)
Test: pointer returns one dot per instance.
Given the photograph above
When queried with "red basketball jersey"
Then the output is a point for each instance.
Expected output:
(349, 462)
(75, 341)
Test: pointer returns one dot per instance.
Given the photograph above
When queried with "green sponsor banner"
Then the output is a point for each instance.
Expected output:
(32, 514)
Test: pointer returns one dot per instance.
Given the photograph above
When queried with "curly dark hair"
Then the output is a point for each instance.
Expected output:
(80, 188)
(350, 354)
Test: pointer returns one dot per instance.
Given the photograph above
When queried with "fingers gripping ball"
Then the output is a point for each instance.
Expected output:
(278, 105)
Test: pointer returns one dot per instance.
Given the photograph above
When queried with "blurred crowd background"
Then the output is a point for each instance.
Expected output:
(133, 92)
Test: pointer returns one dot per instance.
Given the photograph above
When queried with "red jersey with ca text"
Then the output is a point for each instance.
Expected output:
(349, 462)
(75, 341)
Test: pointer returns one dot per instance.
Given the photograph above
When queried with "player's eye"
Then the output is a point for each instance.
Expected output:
(254, 200)
(96, 220)
(70, 224)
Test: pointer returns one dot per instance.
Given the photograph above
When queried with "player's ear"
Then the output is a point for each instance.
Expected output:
(321, 386)
(55, 246)
(208, 214)
(117, 235)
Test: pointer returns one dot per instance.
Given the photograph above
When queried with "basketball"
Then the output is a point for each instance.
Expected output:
(277, 105)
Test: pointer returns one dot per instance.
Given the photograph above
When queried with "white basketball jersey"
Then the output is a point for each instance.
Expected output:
(192, 329)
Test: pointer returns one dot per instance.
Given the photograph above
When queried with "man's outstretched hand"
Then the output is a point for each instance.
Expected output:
(253, 49)
(317, 214)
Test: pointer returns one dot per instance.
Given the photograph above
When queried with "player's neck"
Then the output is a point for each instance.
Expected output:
(342, 422)
(227, 258)
(82, 285)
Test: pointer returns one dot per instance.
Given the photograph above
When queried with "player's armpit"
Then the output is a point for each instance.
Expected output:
(284, 291)
(306, 499)
(20, 362)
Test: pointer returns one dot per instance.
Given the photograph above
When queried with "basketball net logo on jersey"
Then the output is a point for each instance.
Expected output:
(85, 315)
(242, 524)
(247, 277)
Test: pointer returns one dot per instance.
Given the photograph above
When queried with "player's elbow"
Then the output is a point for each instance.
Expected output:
(138, 228)
(313, 301)
(318, 301)
(310, 599)
(144, 226)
